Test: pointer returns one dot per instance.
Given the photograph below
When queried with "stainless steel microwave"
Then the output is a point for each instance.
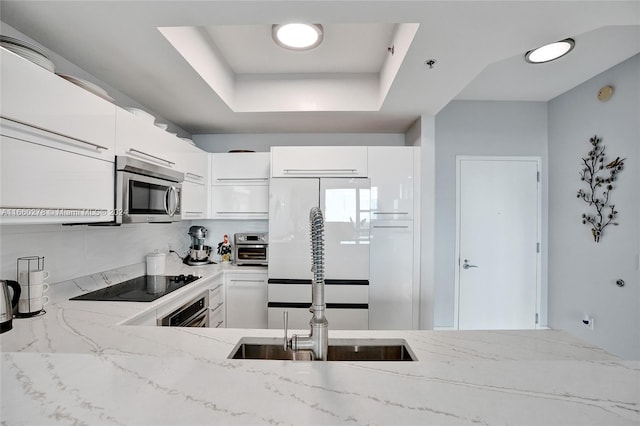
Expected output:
(146, 192)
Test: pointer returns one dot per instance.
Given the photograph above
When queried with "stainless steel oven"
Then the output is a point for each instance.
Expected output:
(251, 249)
(194, 313)
(146, 192)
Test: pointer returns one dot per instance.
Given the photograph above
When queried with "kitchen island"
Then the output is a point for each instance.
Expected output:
(79, 364)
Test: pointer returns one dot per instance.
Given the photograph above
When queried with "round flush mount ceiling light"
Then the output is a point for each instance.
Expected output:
(297, 36)
(550, 52)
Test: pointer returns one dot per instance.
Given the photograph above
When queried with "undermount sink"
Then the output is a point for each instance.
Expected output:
(339, 350)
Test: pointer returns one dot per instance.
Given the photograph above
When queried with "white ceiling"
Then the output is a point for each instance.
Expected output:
(352, 48)
(478, 46)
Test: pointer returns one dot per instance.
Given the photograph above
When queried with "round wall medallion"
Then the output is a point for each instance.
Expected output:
(605, 93)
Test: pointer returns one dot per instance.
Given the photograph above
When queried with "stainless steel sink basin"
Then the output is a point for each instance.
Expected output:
(339, 350)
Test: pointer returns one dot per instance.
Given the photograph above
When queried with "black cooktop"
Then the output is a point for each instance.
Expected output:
(142, 289)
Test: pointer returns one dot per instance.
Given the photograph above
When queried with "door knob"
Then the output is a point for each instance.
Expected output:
(467, 265)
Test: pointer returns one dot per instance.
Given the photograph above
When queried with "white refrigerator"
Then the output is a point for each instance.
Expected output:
(345, 203)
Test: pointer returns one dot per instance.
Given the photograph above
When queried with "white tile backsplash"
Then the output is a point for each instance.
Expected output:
(72, 252)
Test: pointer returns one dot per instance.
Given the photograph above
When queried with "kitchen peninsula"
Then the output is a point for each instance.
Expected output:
(78, 364)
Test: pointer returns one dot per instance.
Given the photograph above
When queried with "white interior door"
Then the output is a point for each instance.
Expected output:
(498, 235)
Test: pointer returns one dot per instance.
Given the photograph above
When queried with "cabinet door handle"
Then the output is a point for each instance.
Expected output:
(53, 132)
(194, 176)
(390, 226)
(321, 171)
(247, 281)
(375, 212)
(219, 324)
(194, 212)
(216, 287)
(243, 179)
(137, 151)
(241, 212)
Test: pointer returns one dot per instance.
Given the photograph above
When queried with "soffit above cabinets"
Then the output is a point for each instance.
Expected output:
(199, 63)
(351, 70)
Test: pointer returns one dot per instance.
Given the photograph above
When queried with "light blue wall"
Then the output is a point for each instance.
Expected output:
(479, 128)
(582, 273)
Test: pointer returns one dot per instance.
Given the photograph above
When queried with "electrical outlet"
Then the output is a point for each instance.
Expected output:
(588, 321)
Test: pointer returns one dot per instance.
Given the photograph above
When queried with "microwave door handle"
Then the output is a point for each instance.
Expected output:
(176, 200)
(166, 200)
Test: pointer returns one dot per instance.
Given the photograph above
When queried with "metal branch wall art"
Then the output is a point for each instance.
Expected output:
(600, 178)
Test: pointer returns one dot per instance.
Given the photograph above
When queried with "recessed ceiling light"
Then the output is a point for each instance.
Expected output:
(550, 52)
(297, 36)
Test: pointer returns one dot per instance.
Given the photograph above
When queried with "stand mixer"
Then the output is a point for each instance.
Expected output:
(198, 251)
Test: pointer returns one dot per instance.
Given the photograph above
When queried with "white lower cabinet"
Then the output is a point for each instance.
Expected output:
(338, 318)
(246, 300)
(391, 292)
(217, 310)
(346, 306)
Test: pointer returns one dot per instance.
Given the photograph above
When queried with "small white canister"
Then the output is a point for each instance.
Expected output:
(156, 263)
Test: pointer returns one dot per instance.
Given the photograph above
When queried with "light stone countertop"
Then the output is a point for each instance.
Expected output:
(78, 365)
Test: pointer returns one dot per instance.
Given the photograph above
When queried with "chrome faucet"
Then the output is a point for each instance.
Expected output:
(318, 339)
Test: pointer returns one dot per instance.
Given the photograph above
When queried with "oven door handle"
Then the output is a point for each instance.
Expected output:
(199, 321)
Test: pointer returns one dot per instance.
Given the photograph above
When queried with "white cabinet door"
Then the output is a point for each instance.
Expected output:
(194, 162)
(290, 201)
(239, 202)
(194, 201)
(140, 138)
(345, 205)
(319, 161)
(239, 186)
(240, 168)
(339, 319)
(392, 181)
(246, 300)
(216, 304)
(37, 97)
(49, 185)
(391, 283)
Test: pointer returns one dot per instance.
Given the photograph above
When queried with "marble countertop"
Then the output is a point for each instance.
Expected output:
(78, 364)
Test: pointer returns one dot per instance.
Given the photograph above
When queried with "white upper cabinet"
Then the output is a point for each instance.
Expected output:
(56, 150)
(240, 168)
(45, 101)
(319, 161)
(194, 163)
(392, 174)
(138, 137)
(240, 186)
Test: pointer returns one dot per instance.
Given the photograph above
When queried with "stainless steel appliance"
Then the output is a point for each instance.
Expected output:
(146, 192)
(198, 252)
(7, 304)
(194, 313)
(141, 289)
(251, 248)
